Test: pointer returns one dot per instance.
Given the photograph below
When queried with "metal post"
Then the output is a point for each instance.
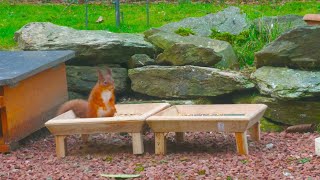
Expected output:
(86, 14)
(148, 19)
(117, 6)
(122, 19)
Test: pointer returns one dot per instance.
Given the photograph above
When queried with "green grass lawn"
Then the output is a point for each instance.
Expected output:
(13, 17)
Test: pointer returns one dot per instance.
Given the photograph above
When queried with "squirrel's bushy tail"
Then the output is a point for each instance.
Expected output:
(78, 106)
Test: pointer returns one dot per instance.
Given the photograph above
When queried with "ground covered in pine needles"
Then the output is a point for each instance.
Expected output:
(201, 156)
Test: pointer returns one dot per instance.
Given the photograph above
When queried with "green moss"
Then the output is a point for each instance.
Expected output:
(267, 126)
(232, 39)
(223, 36)
(184, 31)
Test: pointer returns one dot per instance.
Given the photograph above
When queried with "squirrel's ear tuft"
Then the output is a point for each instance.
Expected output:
(100, 75)
(109, 72)
(108, 76)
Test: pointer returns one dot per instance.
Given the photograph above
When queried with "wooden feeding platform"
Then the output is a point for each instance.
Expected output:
(234, 118)
(32, 86)
(129, 118)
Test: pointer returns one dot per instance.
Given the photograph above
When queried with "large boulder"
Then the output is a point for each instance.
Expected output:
(286, 112)
(81, 79)
(278, 23)
(284, 83)
(298, 48)
(91, 47)
(188, 54)
(229, 20)
(186, 81)
(165, 40)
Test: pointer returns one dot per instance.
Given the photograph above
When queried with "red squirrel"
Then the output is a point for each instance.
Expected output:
(101, 101)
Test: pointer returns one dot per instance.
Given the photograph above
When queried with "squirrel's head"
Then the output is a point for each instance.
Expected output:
(105, 79)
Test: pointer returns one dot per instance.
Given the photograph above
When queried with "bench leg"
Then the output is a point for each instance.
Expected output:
(61, 146)
(160, 143)
(255, 132)
(85, 137)
(179, 137)
(242, 144)
(137, 143)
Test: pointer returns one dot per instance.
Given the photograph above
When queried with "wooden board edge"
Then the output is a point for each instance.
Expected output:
(67, 115)
(1, 102)
(157, 109)
(196, 118)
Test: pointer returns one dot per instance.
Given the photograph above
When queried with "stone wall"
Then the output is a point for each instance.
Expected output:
(162, 65)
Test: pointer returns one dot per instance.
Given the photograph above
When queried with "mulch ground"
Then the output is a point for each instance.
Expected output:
(202, 156)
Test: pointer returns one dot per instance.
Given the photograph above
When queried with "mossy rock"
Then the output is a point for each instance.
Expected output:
(267, 126)
(285, 112)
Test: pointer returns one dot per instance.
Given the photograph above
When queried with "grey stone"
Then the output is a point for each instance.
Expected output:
(186, 81)
(81, 79)
(269, 146)
(139, 60)
(282, 23)
(92, 47)
(285, 112)
(188, 54)
(164, 40)
(298, 49)
(229, 20)
(284, 83)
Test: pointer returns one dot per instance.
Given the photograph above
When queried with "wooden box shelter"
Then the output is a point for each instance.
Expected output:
(32, 85)
(234, 118)
(129, 118)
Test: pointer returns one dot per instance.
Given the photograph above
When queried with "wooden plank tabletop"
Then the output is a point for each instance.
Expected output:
(19, 65)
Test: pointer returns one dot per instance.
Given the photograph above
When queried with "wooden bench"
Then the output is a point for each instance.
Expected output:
(129, 118)
(235, 118)
(32, 85)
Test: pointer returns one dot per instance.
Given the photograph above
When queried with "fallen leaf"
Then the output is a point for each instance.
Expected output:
(202, 172)
(107, 158)
(244, 161)
(99, 20)
(304, 160)
(139, 168)
(184, 159)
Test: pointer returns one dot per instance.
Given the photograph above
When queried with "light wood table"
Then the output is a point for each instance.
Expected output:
(32, 85)
(235, 118)
(129, 118)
